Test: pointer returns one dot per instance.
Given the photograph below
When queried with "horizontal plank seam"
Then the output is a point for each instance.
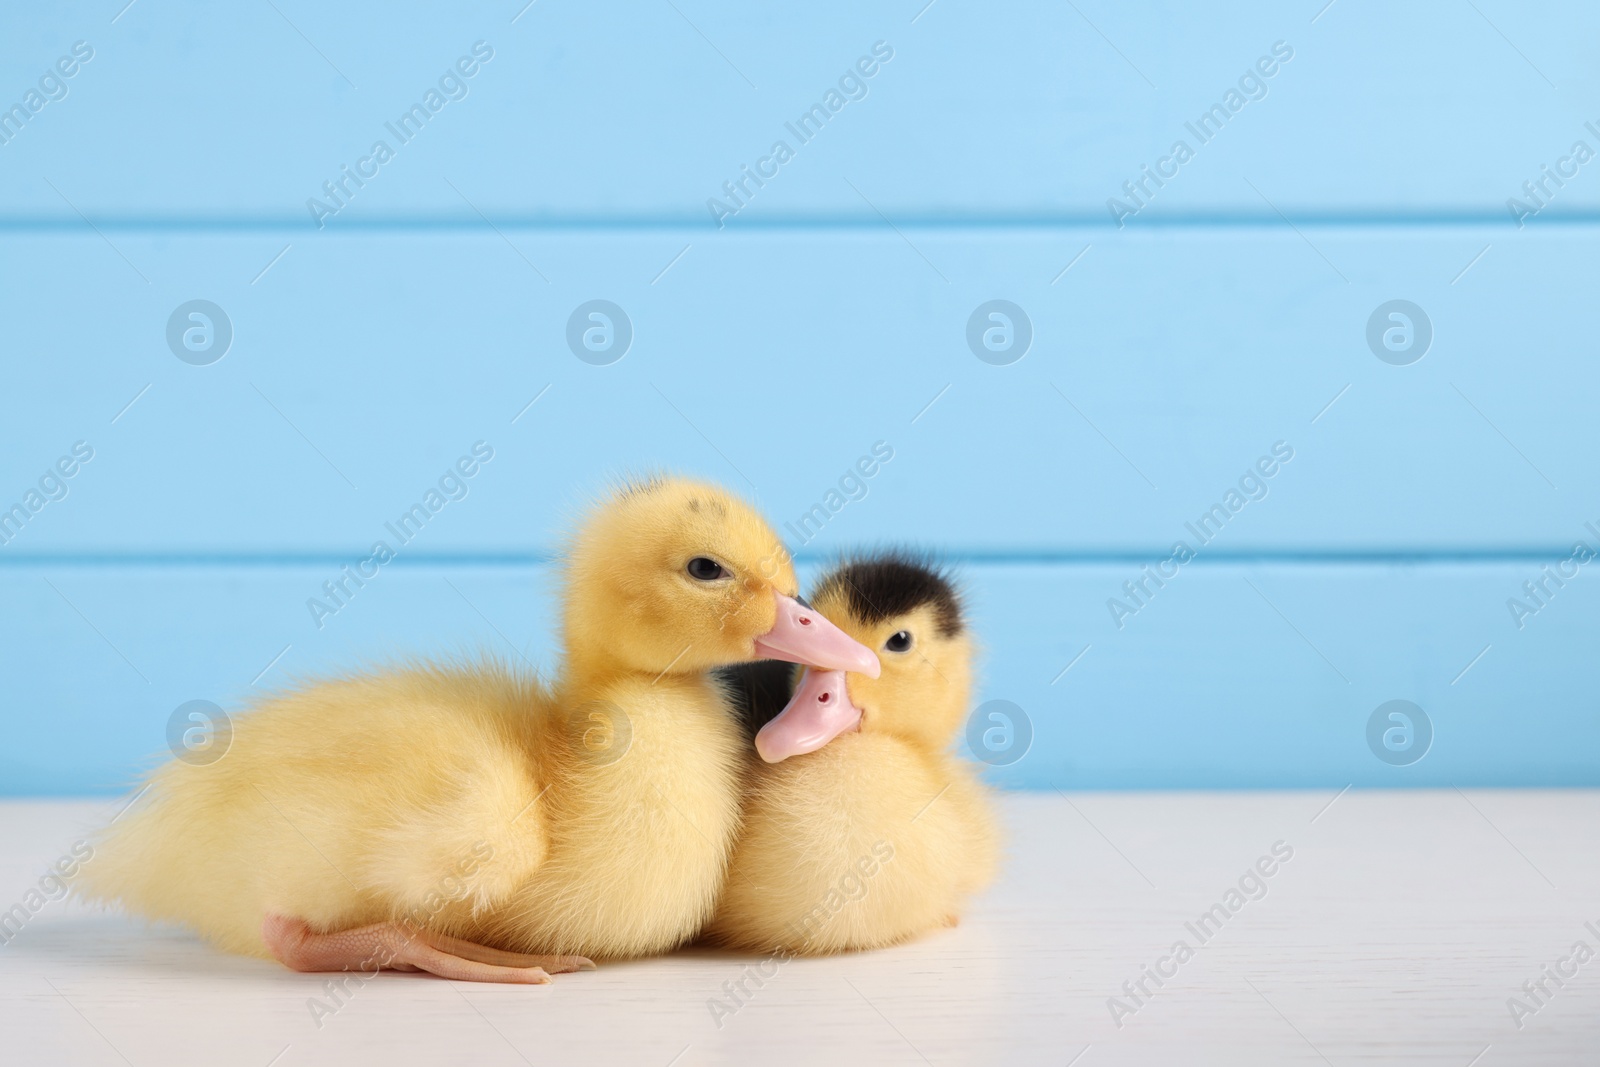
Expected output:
(1214, 557)
(1495, 219)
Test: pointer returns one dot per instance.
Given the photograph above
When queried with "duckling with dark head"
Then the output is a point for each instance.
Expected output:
(861, 827)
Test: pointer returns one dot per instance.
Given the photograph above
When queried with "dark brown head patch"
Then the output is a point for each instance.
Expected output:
(890, 584)
(716, 507)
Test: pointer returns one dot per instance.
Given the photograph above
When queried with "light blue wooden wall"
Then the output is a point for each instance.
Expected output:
(1229, 314)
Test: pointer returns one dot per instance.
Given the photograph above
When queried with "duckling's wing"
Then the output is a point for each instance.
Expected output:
(409, 794)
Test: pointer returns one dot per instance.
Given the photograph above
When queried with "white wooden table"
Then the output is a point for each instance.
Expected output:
(1395, 934)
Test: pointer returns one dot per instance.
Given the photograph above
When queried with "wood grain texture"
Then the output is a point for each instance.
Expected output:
(1396, 933)
(829, 314)
(621, 111)
(1161, 370)
(1259, 675)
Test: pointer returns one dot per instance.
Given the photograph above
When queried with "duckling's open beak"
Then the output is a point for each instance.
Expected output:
(820, 711)
(800, 635)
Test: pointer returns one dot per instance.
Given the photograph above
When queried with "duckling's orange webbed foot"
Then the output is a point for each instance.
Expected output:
(391, 946)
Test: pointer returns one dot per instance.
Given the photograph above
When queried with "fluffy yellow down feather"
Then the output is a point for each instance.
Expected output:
(594, 816)
(882, 834)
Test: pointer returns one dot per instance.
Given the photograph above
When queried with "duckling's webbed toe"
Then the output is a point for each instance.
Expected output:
(392, 946)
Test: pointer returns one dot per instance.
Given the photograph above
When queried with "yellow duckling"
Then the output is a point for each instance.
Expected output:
(473, 822)
(876, 833)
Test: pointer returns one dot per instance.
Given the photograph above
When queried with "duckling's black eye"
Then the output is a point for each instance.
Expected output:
(899, 642)
(705, 570)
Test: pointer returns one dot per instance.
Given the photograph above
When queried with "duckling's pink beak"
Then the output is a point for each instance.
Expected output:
(800, 635)
(820, 711)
